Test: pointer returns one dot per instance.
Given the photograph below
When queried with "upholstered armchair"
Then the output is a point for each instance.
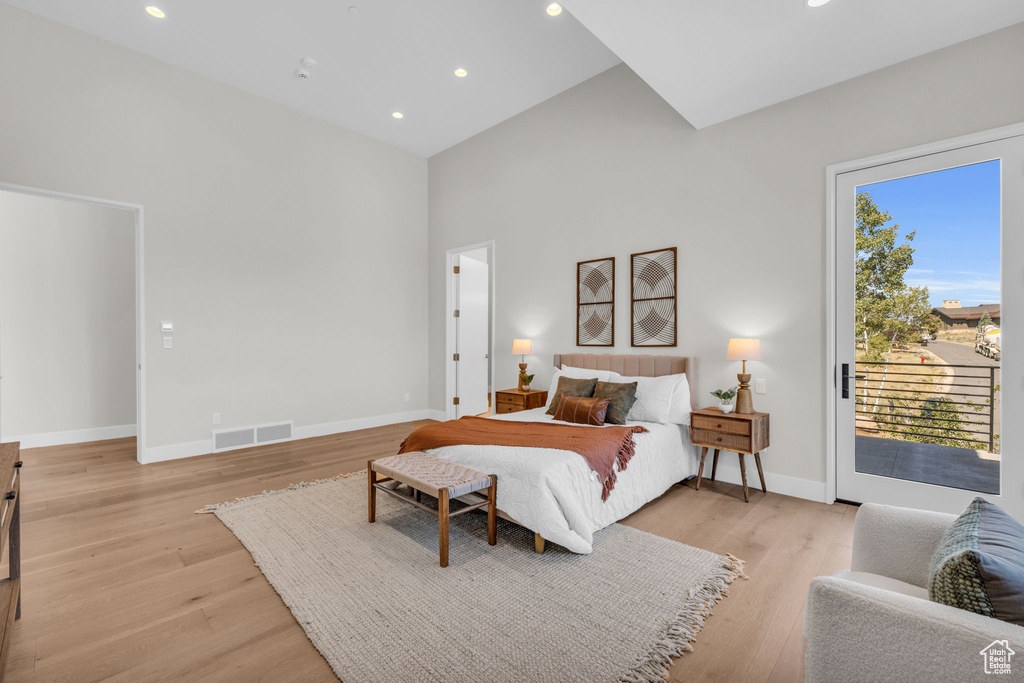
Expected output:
(875, 621)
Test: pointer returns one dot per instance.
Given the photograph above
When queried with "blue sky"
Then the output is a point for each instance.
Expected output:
(956, 215)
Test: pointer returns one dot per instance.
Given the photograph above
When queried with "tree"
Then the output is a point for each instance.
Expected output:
(885, 304)
(906, 314)
(985, 322)
(934, 419)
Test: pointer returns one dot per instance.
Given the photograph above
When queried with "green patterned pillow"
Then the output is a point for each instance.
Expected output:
(979, 564)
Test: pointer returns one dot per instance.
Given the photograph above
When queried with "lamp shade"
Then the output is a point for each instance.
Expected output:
(522, 346)
(744, 349)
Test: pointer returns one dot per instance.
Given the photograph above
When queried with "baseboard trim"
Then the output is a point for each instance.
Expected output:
(188, 450)
(175, 451)
(74, 436)
(329, 428)
(776, 483)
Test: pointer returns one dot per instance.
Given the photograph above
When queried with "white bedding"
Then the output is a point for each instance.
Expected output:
(556, 494)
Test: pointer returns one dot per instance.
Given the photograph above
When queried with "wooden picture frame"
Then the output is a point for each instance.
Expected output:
(652, 310)
(595, 302)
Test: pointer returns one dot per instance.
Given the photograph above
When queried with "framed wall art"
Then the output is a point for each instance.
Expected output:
(595, 302)
(652, 276)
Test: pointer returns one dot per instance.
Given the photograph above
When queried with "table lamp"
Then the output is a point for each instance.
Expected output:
(744, 350)
(523, 347)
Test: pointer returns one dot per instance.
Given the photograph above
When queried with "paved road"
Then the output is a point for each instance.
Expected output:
(961, 354)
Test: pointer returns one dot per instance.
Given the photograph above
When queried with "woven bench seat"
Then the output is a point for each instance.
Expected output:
(436, 477)
(429, 474)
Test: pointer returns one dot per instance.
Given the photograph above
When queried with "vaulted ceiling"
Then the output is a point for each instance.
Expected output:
(711, 60)
(714, 60)
(381, 57)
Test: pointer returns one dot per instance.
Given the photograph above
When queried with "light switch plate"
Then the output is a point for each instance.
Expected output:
(168, 342)
(759, 385)
(167, 327)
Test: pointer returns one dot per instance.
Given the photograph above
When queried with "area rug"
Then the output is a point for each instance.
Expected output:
(375, 603)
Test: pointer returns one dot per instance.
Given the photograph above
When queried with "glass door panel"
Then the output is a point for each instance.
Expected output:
(919, 334)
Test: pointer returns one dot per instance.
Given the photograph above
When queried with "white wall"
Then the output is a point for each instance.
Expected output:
(476, 254)
(67, 317)
(259, 221)
(608, 169)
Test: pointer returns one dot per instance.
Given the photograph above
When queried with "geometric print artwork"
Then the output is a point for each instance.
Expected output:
(595, 302)
(653, 289)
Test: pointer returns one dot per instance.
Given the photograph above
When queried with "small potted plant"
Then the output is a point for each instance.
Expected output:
(724, 397)
(525, 380)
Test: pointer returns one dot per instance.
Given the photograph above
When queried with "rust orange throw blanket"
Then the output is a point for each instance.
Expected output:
(602, 447)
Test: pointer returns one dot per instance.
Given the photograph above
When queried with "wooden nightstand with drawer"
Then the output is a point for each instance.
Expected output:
(744, 434)
(513, 400)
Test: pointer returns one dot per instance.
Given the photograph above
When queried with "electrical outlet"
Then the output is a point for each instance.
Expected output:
(216, 418)
(759, 385)
(407, 396)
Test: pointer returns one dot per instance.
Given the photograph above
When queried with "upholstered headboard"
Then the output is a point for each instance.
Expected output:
(635, 366)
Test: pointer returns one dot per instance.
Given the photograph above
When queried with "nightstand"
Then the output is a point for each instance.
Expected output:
(513, 400)
(744, 434)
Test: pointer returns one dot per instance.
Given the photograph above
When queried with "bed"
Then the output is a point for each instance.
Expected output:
(555, 494)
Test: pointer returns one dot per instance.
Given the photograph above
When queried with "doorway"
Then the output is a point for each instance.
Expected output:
(470, 338)
(70, 318)
(921, 242)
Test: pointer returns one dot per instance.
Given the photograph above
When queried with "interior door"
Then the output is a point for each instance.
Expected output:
(472, 343)
(919, 421)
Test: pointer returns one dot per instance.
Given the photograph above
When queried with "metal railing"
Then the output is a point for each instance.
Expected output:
(929, 403)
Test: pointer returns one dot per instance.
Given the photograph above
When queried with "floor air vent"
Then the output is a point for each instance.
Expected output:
(251, 436)
(234, 438)
(278, 432)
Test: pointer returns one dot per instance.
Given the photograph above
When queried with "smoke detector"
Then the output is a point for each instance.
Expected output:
(302, 73)
(308, 63)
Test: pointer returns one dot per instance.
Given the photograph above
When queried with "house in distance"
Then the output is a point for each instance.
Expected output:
(957, 317)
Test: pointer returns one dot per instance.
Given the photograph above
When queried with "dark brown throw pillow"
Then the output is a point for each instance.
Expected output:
(567, 386)
(582, 411)
(622, 396)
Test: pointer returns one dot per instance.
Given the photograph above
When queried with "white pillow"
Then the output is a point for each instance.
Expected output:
(653, 397)
(679, 411)
(583, 373)
(554, 385)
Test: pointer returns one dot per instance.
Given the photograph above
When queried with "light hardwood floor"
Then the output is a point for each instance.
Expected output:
(123, 582)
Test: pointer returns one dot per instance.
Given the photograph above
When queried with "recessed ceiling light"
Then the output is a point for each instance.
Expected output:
(461, 73)
(554, 9)
(353, 10)
(155, 11)
(816, 3)
(397, 114)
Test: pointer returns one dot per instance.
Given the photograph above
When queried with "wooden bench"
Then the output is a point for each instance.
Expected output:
(10, 535)
(437, 477)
